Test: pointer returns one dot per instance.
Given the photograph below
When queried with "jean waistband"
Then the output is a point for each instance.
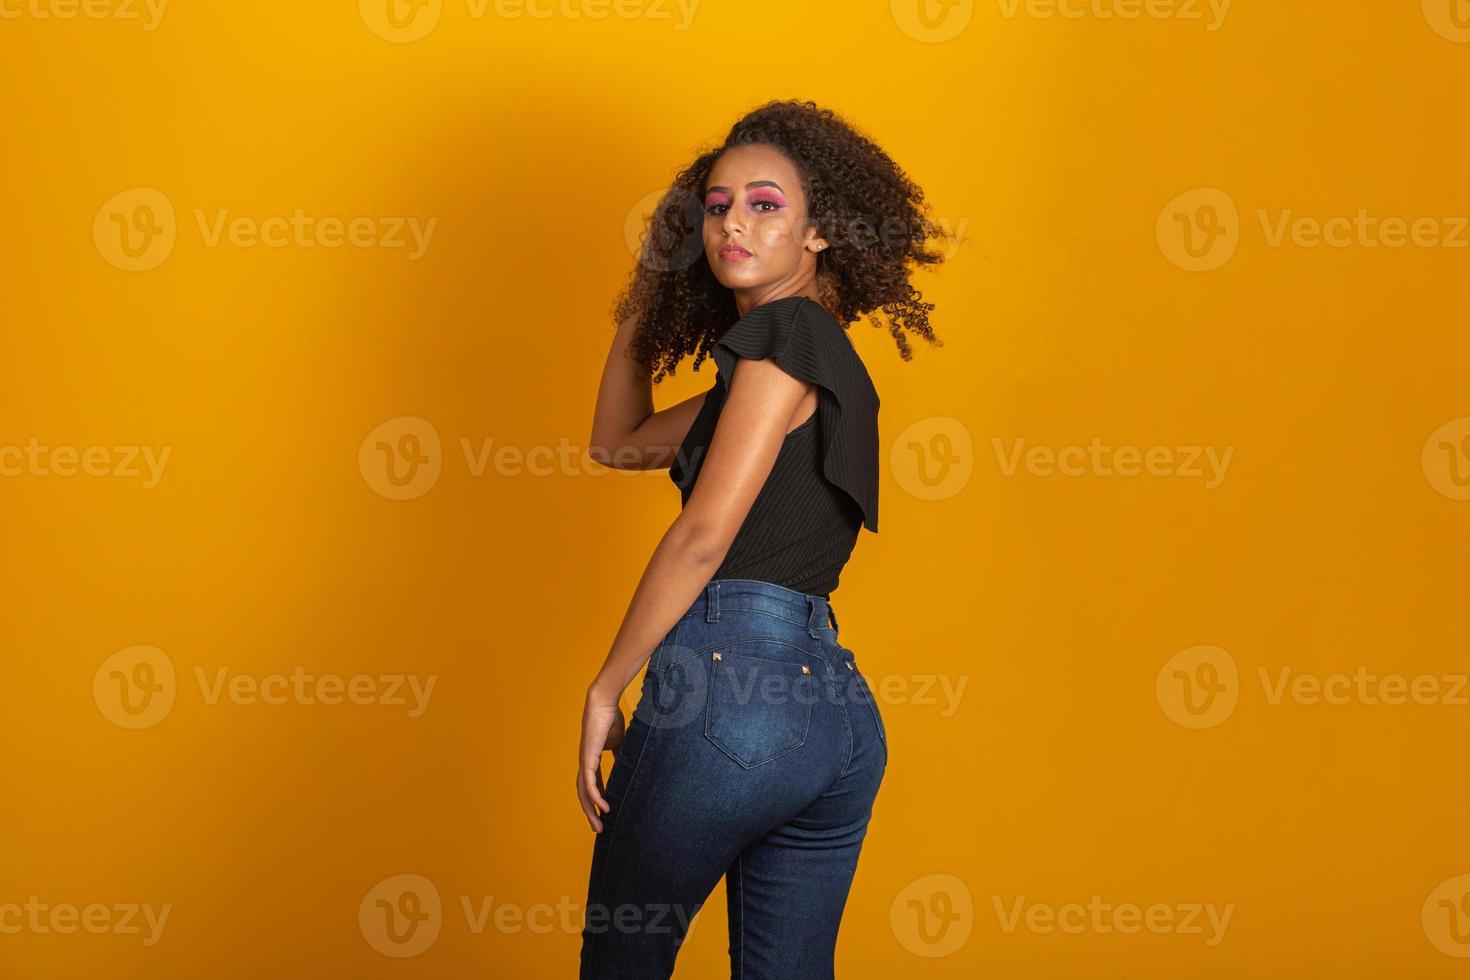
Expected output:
(748, 593)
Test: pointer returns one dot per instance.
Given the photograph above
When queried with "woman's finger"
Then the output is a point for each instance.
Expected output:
(591, 801)
(588, 810)
(593, 778)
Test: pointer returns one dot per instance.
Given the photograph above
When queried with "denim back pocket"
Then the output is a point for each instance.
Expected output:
(757, 709)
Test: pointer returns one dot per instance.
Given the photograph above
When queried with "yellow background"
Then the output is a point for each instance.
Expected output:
(1336, 539)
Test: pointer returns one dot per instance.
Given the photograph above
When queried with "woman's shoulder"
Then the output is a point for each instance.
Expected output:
(804, 338)
(809, 343)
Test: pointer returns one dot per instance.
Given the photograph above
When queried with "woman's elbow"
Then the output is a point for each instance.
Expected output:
(699, 542)
(615, 454)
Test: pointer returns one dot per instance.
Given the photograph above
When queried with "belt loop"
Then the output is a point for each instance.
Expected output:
(712, 601)
(812, 604)
(832, 616)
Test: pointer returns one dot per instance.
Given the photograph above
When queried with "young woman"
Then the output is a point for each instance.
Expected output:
(756, 748)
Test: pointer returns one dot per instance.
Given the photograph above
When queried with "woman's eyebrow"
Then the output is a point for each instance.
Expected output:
(753, 183)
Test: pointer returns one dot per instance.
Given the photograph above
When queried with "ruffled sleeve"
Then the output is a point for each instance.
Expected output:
(810, 344)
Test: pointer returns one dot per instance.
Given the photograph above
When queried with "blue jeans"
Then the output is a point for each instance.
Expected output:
(755, 752)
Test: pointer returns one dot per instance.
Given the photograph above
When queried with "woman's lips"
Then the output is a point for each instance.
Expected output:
(733, 253)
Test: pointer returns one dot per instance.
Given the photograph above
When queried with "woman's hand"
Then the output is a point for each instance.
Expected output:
(602, 729)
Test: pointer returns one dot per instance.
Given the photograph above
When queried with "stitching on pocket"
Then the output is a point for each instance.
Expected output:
(709, 648)
(771, 729)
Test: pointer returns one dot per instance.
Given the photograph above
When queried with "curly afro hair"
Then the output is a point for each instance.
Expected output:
(875, 220)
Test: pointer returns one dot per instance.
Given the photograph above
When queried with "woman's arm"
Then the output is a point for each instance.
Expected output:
(752, 427)
(627, 434)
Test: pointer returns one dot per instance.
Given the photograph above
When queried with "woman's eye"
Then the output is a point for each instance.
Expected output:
(764, 207)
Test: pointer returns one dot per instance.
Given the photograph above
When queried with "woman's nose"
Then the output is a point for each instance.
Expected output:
(733, 221)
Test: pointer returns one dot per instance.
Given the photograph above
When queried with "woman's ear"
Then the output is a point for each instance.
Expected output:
(814, 240)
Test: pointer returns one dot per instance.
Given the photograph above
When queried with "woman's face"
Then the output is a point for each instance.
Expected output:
(755, 222)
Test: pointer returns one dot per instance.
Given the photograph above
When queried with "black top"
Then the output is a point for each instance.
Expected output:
(823, 487)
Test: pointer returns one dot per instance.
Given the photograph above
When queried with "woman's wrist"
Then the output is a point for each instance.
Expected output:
(604, 689)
